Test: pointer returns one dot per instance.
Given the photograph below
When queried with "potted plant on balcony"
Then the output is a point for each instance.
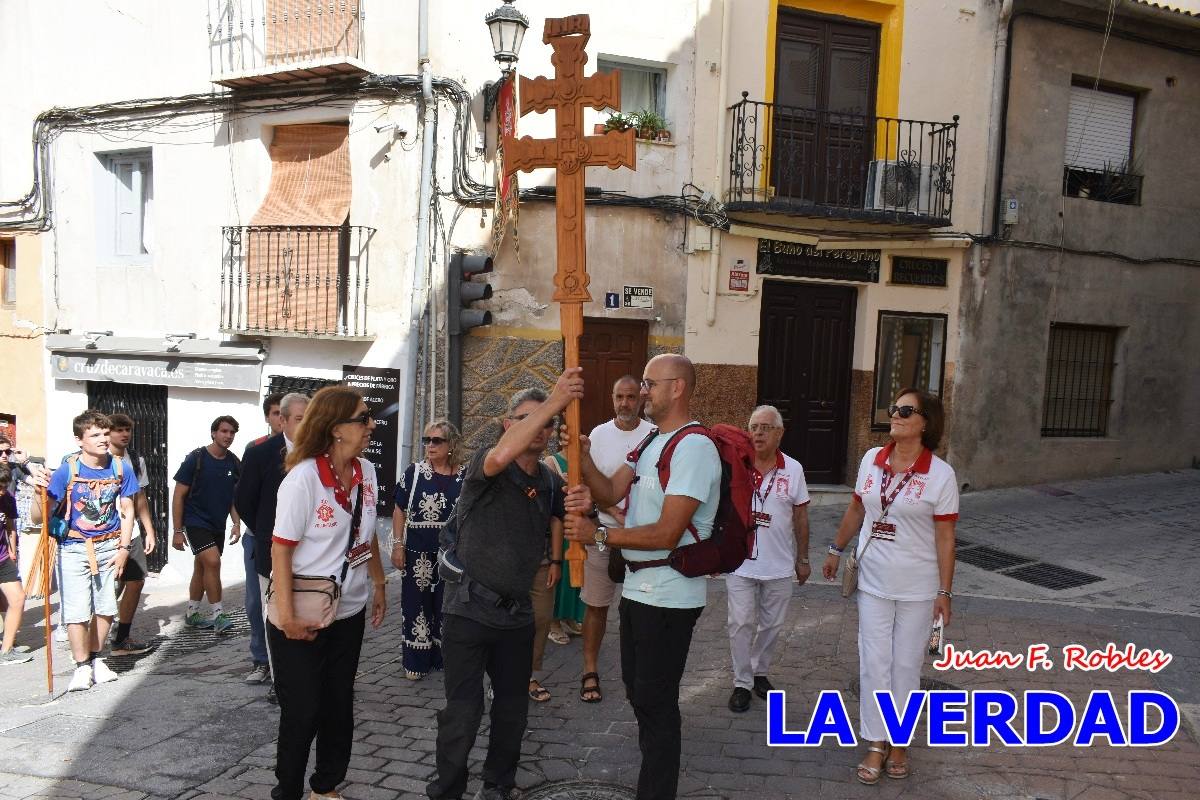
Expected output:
(618, 121)
(650, 123)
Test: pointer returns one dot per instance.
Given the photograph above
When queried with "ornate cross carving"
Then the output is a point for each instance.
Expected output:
(570, 152)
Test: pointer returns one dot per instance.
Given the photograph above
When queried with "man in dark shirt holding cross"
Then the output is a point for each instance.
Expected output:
(503, 522)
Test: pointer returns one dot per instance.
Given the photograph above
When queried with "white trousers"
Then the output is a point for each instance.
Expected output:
(893, 638)
(757, 609)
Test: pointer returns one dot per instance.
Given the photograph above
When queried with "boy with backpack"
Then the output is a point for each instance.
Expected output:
(93, 521)
(674, 497)
(203, 498)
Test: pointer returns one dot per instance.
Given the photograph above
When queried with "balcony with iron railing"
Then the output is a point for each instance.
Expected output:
(265, 42)
(303, 280)
(804, 162)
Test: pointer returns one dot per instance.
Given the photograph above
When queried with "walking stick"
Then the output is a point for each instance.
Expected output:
(46, 589)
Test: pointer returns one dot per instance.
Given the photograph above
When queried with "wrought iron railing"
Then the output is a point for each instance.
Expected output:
(830, 163)
(250, 35)
(304, 280)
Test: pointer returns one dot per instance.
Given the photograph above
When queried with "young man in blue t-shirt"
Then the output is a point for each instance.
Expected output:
(203, 498)
(99, 513)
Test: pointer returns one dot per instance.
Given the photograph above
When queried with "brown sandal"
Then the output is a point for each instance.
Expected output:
(537, 692)
(590, 694)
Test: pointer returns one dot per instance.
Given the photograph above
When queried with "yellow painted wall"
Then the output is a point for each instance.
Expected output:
(22, 351)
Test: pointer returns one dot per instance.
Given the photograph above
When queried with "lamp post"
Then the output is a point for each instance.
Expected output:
(507, 27)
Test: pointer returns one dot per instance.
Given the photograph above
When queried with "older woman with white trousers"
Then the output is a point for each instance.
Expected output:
(904, 511)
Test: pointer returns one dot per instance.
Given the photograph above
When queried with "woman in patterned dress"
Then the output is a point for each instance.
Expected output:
(424, 500)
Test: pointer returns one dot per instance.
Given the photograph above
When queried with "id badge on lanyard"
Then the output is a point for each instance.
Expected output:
(882, 529)
(359, 554)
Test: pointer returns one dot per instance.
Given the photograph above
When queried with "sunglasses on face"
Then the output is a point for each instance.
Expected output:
(433, 440)
(905, 411)
(364, 418)
(519, 417)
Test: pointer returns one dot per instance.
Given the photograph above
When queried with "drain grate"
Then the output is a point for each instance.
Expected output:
(991, 559)
(1052, 576)
(1053, 491)
(185, 641)
(580, 790)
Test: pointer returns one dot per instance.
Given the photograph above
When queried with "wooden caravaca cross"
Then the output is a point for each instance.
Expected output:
(569, 152)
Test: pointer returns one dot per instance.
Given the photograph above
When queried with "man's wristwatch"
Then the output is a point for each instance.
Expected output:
(601, 538)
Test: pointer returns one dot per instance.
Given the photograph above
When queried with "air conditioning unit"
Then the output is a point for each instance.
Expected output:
(903, 186)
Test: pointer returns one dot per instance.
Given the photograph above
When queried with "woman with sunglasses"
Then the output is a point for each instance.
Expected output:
(424, 500)
(324, 526)
(904, 511)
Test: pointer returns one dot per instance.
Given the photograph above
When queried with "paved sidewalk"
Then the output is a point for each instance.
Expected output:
(182, 725)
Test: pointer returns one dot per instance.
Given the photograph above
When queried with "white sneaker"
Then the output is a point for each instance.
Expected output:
(101, 673)
(259, 674)
(60, 634)
(81, 681)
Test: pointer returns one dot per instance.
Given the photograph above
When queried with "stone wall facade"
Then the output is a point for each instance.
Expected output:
(496, 368)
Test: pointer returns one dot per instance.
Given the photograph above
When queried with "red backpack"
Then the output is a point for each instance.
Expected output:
(732, 540)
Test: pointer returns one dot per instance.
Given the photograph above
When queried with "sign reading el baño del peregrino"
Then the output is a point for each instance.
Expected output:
(806, 261)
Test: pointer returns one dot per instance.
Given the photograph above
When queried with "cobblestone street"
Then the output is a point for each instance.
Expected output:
(181, 724)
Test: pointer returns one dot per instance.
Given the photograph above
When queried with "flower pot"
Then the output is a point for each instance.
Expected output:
(664, 136)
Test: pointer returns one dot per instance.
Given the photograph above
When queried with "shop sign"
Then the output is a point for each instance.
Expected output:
(195, 374)
(806, 261)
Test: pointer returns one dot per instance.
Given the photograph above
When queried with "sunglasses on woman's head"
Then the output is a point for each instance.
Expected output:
(433, 440)
(905, 411)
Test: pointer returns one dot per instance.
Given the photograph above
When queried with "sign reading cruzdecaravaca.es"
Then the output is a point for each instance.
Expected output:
(380, 387)
(198, 374)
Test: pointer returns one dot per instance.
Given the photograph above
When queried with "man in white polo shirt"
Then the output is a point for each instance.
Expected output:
(758, 592)
(612, 441)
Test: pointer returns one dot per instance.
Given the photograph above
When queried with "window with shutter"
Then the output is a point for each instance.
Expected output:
(1099, 129)
(642, 87)
(1098, 154)
(124, 223)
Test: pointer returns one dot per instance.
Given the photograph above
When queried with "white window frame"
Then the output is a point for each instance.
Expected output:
(125, 208)
(8, 261)
(657, 71)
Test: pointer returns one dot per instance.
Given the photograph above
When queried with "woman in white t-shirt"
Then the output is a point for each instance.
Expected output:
(315, 535)
(904, 511)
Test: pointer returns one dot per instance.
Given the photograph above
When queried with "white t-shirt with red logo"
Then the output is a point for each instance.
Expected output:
(610, 445)
(776, 493)
(903, 566)
(310, 518)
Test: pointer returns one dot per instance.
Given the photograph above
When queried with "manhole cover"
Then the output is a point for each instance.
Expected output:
(1052, 576)
(990, 558)
(580, 790)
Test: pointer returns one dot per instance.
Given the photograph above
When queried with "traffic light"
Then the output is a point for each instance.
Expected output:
(462, 291)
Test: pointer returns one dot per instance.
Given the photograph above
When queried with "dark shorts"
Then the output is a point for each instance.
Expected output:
(133, 571)
(201, 539)
(8, 571)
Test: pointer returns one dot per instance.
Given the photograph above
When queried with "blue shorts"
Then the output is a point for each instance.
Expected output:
(82, 593)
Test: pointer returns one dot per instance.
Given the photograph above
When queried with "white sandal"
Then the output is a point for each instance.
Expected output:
(874, 772)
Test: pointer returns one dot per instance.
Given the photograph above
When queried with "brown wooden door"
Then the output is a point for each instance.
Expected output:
(822, 131)
(805, 336)
(608, 349)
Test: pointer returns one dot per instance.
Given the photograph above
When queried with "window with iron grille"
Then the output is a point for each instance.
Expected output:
(1079, 368)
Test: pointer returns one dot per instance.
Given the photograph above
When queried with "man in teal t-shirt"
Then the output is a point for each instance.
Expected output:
(659, 606)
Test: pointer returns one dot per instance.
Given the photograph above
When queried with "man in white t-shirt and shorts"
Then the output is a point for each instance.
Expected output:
(758, 592)
(611, 442)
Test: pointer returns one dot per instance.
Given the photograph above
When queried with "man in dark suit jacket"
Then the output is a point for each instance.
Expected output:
(262, 472)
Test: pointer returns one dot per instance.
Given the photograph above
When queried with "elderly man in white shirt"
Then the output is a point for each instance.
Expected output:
(758, 591)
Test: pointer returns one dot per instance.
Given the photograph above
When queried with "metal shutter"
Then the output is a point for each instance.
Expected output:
(1099, 128)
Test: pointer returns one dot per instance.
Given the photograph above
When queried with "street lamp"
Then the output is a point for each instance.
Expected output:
(507, 26)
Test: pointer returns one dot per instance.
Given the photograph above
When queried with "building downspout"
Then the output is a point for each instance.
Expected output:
(714, 255)
(420, 271)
